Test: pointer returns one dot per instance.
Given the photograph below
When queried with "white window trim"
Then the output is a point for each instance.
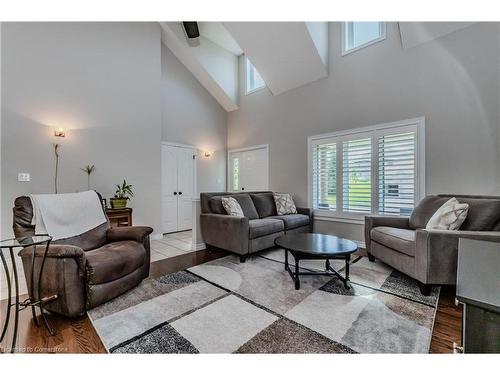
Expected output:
(367, 44)
(373, 131)
(248, 92)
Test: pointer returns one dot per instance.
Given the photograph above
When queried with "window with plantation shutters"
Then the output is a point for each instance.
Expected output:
(374, 170)
(396, 167)
(356, 180)
(325, 176)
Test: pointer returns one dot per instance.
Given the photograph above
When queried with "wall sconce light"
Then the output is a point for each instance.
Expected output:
(60, 132)
(208, 154)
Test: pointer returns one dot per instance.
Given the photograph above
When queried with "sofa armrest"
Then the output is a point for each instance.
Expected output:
(383, 221)
(305, 211)
(225, 232)
(137, 234)
(60, 251)
(309, 212)
(436, 253)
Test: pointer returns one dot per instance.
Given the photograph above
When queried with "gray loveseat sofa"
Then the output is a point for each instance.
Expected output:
(256, 231)
(430, 256)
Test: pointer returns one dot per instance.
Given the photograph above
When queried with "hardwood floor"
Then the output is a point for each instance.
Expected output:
(448, 323)
(79, 336)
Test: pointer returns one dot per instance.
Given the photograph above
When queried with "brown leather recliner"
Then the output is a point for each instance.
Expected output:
(86, 270)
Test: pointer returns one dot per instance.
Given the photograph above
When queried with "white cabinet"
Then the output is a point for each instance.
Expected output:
(178, 187)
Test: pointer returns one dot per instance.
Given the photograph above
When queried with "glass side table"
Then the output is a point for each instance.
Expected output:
(23, 242)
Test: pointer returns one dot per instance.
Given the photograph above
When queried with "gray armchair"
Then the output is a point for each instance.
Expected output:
(430, 256)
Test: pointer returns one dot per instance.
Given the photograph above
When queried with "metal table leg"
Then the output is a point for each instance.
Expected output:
(32, 284)
(40, 299)
(16, 313)
(9, 305)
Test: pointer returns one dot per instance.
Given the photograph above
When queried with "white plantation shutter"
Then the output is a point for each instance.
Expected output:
(356, 177)
(324, 171)
(396, 185)
(379, 170)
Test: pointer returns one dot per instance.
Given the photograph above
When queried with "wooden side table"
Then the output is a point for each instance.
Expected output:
(119, 217)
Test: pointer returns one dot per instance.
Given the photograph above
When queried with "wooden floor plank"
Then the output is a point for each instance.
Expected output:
(79, 336)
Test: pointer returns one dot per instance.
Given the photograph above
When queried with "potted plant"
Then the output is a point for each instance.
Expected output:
(122, 195)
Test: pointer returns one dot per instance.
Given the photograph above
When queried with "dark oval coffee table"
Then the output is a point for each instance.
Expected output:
(316, 246)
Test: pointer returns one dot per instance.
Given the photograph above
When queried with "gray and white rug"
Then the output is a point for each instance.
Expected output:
(225, 306)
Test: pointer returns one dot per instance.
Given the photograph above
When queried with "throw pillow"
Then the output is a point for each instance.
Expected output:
(284, 204)
(232, 206)
(449, 216)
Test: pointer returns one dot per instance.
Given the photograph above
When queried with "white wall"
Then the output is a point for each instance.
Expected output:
(190, 115)
(453, 81)
(102, 82)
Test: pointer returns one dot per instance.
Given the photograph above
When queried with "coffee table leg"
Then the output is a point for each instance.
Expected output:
(297, 282)
(327, 265)
(286, 259)
(347, 259)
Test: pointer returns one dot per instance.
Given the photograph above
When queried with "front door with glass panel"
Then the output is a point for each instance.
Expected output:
(249, 169)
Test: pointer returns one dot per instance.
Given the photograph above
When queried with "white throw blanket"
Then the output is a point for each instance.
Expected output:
(66, 215)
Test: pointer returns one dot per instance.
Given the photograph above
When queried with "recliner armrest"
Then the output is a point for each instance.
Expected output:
(58, 251)
(225, 232)
(137, 234)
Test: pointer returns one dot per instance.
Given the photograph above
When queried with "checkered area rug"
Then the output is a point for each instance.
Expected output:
(225, 306)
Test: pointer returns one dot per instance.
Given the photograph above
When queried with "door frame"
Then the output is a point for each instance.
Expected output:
(242, 149)
(195, 171)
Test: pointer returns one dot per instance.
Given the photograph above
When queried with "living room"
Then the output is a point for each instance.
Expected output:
(250, 187)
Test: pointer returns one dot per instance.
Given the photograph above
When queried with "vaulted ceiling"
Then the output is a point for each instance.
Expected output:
(287, 55)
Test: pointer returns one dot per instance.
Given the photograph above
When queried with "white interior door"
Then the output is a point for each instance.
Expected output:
(185, 186)
(178, 187)
(169, 189)
(249, 169)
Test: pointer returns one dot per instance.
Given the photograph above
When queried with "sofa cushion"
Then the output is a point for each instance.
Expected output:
(263, 227)
(113, 261)
(292, 221)
(402, 240)
(244, 200)
(264, 203)
(216, 206)
(425, 209)
(484, 212)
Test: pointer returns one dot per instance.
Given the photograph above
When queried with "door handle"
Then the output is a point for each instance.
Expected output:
(175, 193)
(180, 192)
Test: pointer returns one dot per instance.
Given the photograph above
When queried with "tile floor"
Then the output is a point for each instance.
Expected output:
(170, 245)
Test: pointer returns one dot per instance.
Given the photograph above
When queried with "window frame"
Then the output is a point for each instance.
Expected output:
(374, 132)
(248, 63)
(367, 44)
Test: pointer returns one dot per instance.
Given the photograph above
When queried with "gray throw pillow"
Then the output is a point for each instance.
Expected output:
(232, 207)
(284, 204)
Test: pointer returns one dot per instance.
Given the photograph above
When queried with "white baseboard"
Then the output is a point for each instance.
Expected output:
(158, 236)
(199, 246)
